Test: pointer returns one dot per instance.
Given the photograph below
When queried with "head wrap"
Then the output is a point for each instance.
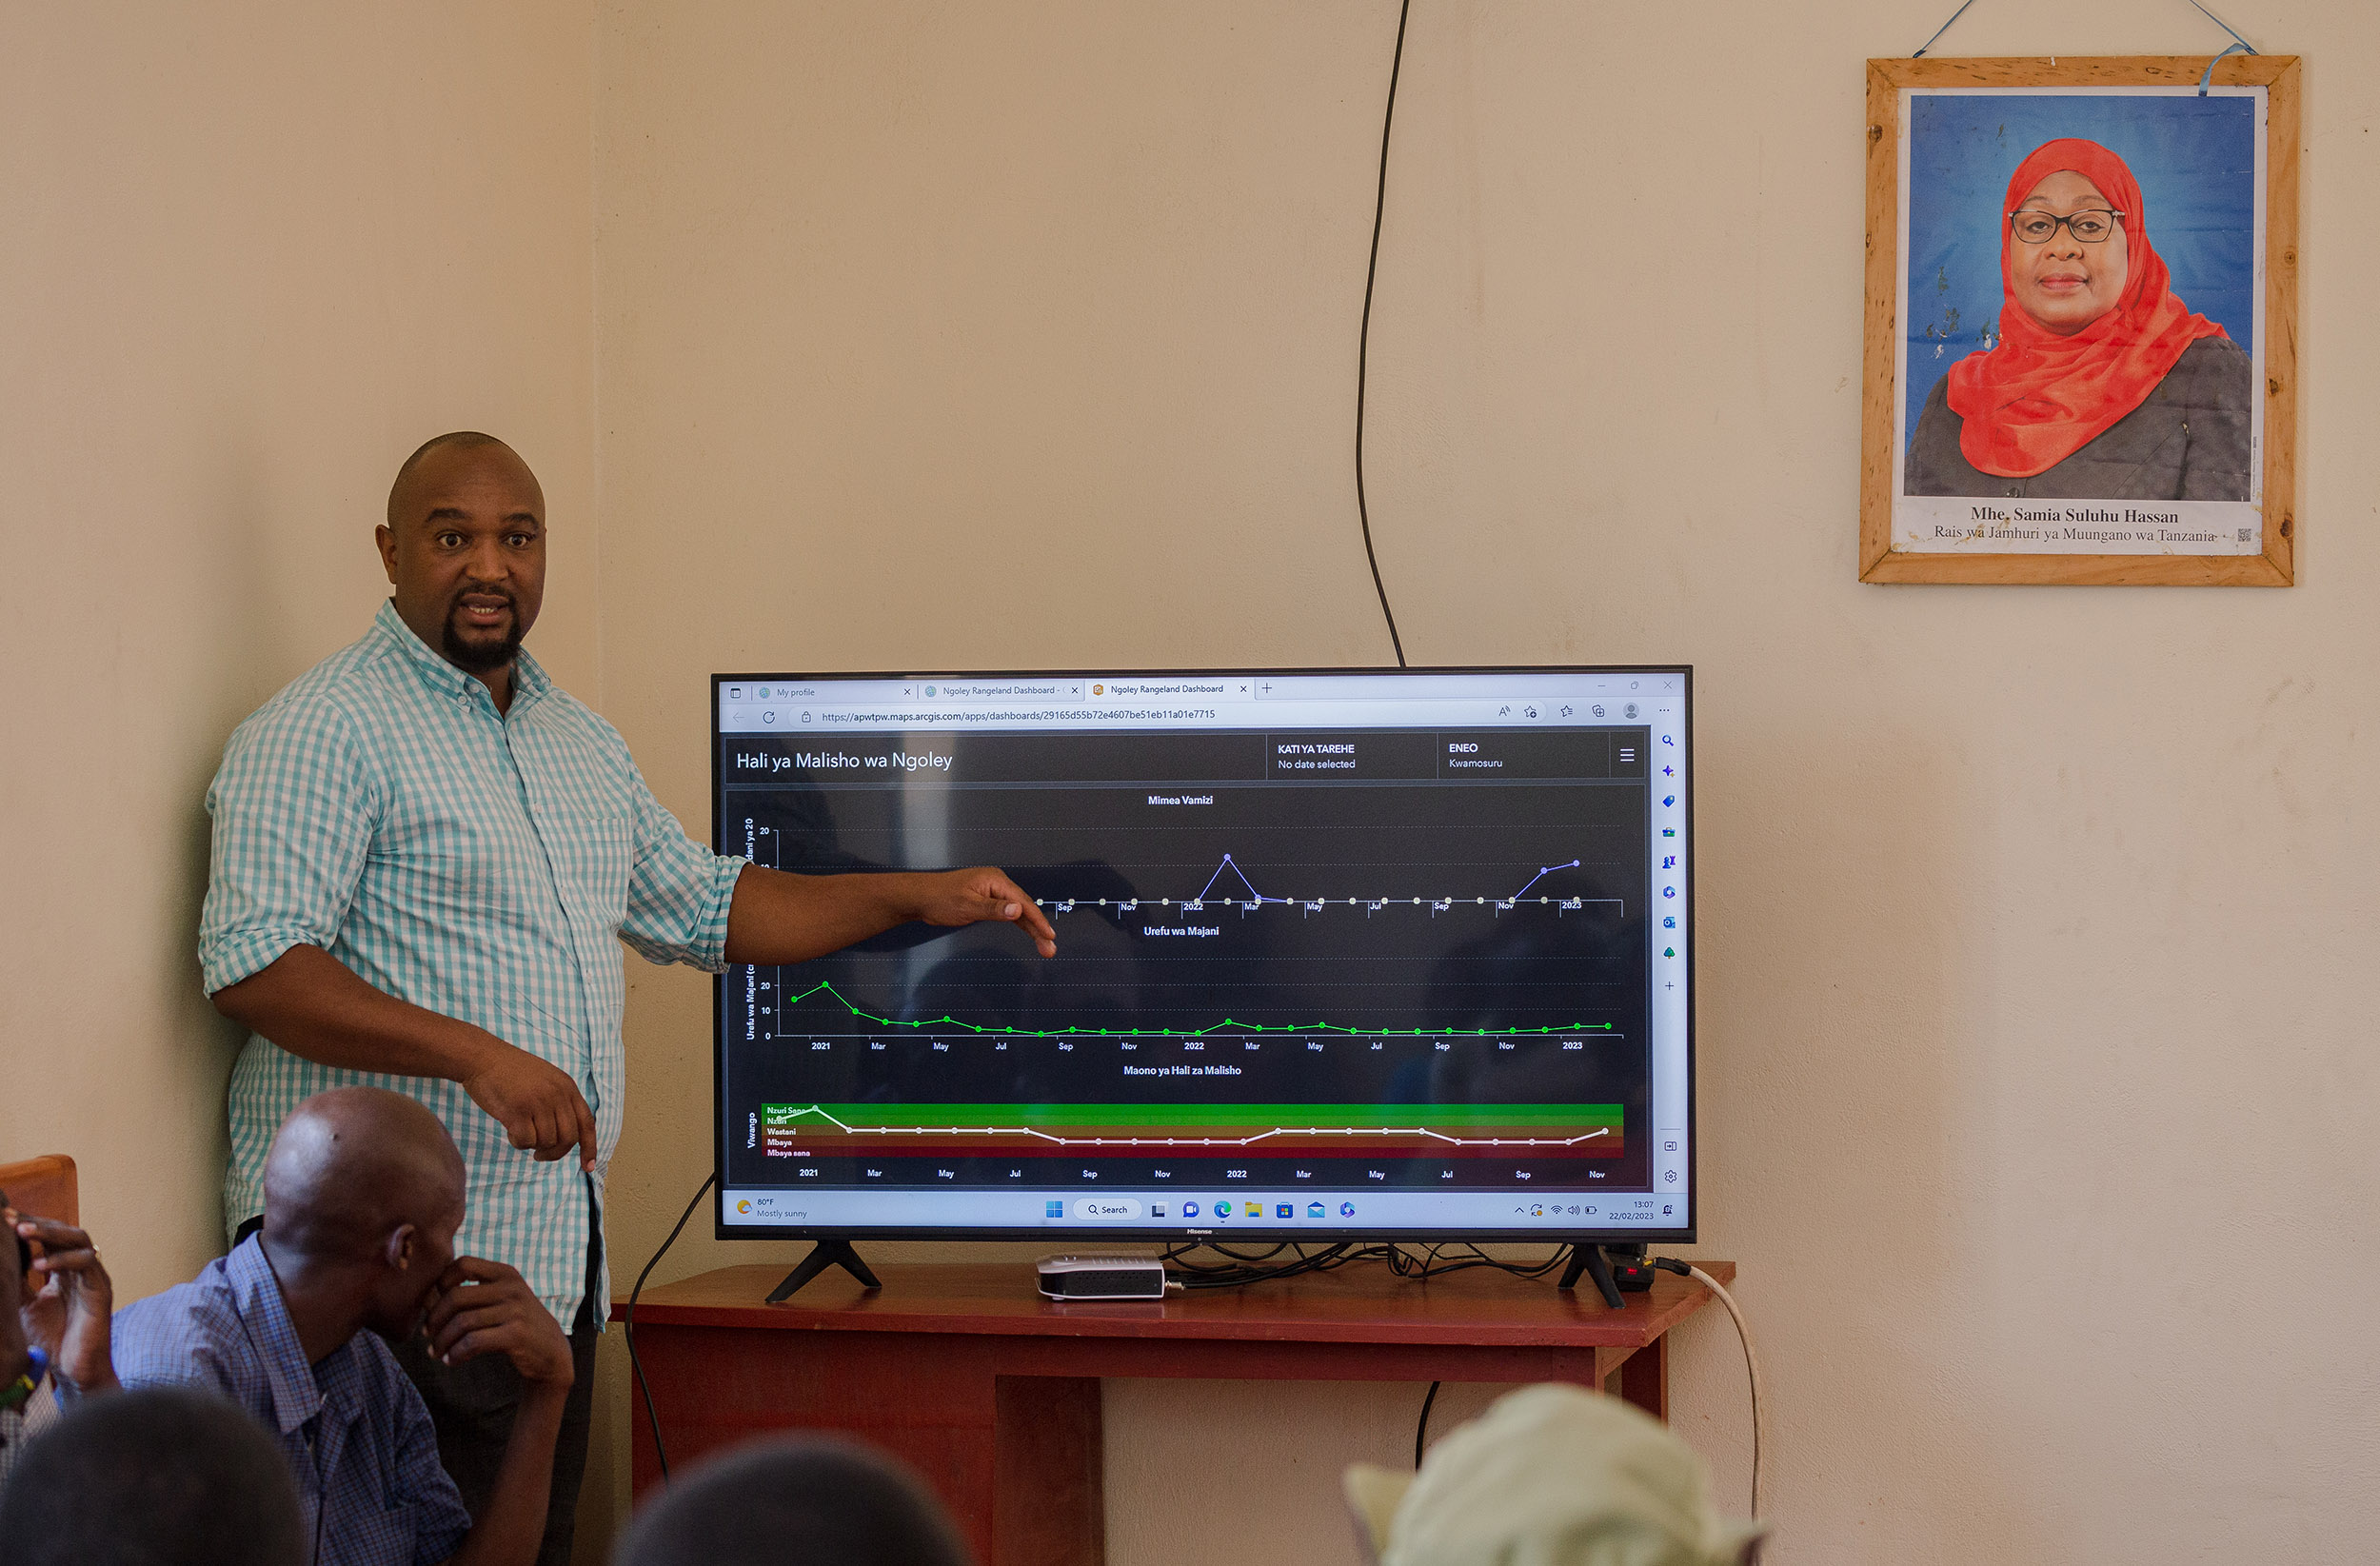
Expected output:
(2038, 398)
(1552, 1476)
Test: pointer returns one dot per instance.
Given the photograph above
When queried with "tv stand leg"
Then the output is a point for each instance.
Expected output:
(1591, 1261)
(826, 1254)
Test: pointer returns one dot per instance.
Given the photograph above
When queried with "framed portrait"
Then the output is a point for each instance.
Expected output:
(2081, 321)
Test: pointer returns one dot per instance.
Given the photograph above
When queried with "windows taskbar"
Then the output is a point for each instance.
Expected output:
(1513, 1214)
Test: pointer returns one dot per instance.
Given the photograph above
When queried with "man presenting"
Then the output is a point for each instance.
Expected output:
(423, 855)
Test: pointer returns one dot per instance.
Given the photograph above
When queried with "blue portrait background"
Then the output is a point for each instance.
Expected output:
(2195, 159)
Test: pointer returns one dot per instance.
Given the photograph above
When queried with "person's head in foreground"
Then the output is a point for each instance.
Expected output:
(794, 1501)
(156, 1476)
(1550, 1476)
(2090, 323)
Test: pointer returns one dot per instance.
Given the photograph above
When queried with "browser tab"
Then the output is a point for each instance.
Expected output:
(1177, 687)
(1020, 689)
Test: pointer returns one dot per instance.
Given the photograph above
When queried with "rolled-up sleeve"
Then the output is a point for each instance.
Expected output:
(292, 808)
(679, 892)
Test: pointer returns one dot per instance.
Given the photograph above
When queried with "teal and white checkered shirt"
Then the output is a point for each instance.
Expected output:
(478, 863)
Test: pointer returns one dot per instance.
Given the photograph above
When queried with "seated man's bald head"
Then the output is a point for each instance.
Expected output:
(350, 1166)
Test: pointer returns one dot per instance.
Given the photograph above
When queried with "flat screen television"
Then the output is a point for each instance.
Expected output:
(1341, 955)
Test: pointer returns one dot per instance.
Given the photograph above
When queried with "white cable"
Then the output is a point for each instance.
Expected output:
(1752, 1368)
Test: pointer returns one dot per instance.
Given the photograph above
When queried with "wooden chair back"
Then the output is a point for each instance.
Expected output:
(43, 1187)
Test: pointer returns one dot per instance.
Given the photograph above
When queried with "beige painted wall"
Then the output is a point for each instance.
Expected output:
(2037, 1082)
(251, 254)
(1017, 334)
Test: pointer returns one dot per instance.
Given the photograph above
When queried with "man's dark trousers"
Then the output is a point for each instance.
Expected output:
(472, 1406)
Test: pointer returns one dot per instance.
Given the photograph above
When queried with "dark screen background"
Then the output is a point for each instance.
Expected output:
(1310, 816)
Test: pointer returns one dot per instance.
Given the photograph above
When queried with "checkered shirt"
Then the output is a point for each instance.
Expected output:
(478, 863)
(356, 1434)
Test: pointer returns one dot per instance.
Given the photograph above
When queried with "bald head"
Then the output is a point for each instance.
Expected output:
(350, 1167)
(438, 452)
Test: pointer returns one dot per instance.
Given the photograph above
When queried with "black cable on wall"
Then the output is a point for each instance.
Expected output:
(1364, 341)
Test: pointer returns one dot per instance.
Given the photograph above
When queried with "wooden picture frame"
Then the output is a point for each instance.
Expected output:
(1888, 428)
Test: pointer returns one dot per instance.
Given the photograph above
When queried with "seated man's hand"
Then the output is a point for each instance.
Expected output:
(970, 896)
(486, 1307)
(68, 1318)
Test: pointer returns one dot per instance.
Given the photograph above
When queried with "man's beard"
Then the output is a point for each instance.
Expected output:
(483, 658)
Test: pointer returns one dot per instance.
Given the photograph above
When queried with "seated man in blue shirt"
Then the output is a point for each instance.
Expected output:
(363, 1196)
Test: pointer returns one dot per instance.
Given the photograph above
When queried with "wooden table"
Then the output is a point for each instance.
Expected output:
(993, 1392)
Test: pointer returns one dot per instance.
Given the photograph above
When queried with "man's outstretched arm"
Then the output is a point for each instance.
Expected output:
(778, 916)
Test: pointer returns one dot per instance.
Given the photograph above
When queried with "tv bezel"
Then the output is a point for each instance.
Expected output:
(1683, 1234)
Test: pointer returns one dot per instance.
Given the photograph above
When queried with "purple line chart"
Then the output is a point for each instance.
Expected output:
(1255, 899)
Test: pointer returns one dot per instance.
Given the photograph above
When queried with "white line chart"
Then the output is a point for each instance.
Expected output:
(1369, 1132)
(1255, 899)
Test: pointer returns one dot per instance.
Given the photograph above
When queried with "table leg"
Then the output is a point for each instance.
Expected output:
(1644, 1378)
(1049, 1506)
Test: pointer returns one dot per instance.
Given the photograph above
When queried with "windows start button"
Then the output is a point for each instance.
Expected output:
(1107, 1209)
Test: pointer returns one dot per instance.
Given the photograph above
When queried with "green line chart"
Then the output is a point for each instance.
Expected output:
(1227, 1026)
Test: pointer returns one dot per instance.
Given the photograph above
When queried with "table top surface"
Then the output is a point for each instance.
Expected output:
(1357, 1304)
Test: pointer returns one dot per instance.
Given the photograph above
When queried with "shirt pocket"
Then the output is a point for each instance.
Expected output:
(595, 855)
(456, 849)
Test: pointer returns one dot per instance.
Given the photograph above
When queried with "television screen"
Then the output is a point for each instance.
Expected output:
(1341, 954)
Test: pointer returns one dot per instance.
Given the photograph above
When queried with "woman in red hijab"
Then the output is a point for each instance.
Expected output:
(2103, 385)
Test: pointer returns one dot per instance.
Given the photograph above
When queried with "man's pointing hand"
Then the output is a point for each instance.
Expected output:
(971, 897)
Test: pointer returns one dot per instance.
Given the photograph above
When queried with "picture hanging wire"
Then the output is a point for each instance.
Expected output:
(2238, 45)
(1943, 28)
(2207, 76)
